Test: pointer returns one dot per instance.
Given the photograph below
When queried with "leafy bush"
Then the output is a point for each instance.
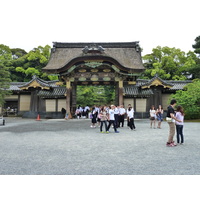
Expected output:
(189, 98)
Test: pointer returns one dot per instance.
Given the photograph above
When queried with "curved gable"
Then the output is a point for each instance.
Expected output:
(125, 55)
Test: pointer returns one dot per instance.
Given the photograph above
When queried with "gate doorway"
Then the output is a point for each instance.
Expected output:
(95, 95)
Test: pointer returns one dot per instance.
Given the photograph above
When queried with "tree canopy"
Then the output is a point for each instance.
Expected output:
(195, 70)
(5, 65)
(196, 46)
(95, 95)
(189, 98)
(169, 64)
(25, 65)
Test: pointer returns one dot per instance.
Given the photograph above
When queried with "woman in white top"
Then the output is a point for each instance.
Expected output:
(179, 125)
(152, 116)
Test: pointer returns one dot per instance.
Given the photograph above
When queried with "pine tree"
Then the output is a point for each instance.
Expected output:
(196, 46)
(196, 69)
(5, 60)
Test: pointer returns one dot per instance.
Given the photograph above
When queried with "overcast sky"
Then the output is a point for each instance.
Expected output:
(27, 24)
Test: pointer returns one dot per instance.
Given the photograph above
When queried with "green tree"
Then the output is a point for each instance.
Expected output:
(195, 70)
(5, 64)
(196, 46)
(189, 98)
(25, 65)
(95, 95)
(169, 63)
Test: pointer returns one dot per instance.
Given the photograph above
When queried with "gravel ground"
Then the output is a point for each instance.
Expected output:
(71, 147)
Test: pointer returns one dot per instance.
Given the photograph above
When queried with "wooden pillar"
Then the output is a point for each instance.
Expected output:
(74, 91)
(68, 98)
(121, 98)
(116, 93)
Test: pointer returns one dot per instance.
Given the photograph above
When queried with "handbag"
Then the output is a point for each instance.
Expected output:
(168, 119)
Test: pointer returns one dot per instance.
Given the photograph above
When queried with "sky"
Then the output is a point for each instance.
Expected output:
(27, 24)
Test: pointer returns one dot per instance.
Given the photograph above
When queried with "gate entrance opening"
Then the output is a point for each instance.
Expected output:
(95, 95)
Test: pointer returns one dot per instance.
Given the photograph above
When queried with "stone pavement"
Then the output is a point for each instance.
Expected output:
(71, 147)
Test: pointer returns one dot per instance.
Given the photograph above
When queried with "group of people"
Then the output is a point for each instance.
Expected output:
(114, 116)
(156, 114)
(82, 112)
(174, 118)
(108, 116)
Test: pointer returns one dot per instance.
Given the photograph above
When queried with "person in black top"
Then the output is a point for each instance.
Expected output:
(171, 114)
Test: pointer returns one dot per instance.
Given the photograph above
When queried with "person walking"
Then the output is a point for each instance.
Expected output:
(129, 105)
(179, 125)
(152, 116)
(103, 117)
(130, 115)
(111, 119)
(171, 121)
(159, 114)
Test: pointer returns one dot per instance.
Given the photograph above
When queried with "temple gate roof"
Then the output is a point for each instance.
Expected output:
(125, 55)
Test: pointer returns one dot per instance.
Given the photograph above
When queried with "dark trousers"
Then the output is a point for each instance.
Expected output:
(179, 133)
(116, 120)
(121, 120)
(103, 122)
(111, 122)
(131, 123)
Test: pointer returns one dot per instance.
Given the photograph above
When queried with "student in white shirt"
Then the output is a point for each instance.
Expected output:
(116, 114)
(122, 112)
(111, 119)
(130, 114)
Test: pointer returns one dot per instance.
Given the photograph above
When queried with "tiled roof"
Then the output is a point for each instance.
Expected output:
(14, 86)
(65, 55)
(156, 78)
(136, 91)
(17, 86)
(55, 92)
(175, 85)
(130, 90)
(40, 82)
(178, 85)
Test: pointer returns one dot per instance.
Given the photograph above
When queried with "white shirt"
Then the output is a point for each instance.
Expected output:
(152, 113)
(116, 111)
(122, 111)
(180, 117)
(130, 113)
(87, 108)
(111, 114)
(97, 109)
